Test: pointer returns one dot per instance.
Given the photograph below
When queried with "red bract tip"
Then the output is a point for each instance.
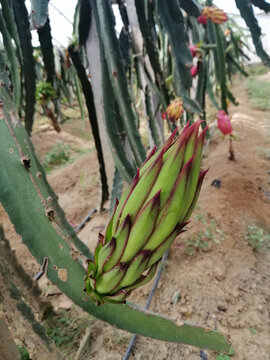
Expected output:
(185, 171)
(202, 134)
(136, 178)
(156, 199)
(179, 227)
(145, 254)
(202, 175)
(170, 140)
(126, 222)
(101, 239)
(194, 128)
(116, 204)
(112, 245)
(158, 161)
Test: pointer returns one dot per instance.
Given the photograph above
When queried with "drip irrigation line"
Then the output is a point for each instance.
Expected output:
(85, 220)
(148, 302)
(64, 16)
(42, 271)
(57, 42)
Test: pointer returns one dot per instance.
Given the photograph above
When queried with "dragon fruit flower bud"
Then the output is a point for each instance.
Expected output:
(150, 214)
(193, 49)
(194, 71)
(214, 14)
(224, 123)
(202, 20)
(175, 109)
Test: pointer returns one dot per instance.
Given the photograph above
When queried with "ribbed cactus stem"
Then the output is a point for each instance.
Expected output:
(28, 62)
(118, 78)
(221, 67)
(12, 57)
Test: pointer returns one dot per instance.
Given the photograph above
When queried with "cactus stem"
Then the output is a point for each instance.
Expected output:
(25, 160)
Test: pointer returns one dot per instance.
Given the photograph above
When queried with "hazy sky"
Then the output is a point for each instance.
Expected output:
(62, 29)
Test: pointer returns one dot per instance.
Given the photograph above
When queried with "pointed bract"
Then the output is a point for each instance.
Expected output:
(136, 268)
(121, 237)
(108, 231)
(106, 282)
(105, 254)
(142, 228)
(140, 193)
(123, 201)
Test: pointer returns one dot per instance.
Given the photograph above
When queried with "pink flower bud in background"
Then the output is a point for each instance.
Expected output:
(193, 49)
(224, 123)
(202, 19)
(214, 14)
(194, 71)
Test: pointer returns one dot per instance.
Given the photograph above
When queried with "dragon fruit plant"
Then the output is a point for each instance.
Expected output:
(151, 213)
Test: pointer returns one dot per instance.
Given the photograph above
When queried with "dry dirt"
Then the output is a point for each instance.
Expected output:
(214, 278)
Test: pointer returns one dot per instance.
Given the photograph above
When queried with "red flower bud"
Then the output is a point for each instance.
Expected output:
(194, 71)
(202, 19)
(224, 123)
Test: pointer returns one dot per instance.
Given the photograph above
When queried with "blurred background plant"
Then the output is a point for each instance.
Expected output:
(256, 237)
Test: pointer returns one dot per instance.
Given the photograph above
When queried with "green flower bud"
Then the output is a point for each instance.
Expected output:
(151, 213)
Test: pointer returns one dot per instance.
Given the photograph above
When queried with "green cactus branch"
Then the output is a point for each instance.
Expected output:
(201, 89)
(84, 21)
(113, 126)
(11, 25)
(89, 99)
(28, 62)
(77, 91)
(261, 4)
(152, 121)
(190, 7)
(172, 19)
(104, 17)
(147, 28)
(14, 64)
(39, 13)
(247, 14)
(221, 67)
(46, 46)
(212, 39)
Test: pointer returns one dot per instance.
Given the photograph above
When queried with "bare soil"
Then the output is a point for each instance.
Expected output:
(213, 277)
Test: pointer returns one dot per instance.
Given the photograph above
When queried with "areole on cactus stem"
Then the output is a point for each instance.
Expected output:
(150, 214)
